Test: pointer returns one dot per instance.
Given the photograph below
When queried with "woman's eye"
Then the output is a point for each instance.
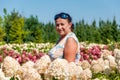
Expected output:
(62, 24)
(57, 24)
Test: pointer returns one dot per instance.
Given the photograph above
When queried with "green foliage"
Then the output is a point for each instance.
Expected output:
(14, 78)
(109, 31)
(112, 76)
(2, 33)
(80, 31)
(16, 31)
(106, 32)
(5, 11)
(13, 24)
(49, 33)
(33, 30)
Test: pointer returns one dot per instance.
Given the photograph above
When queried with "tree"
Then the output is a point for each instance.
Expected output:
(33, 29)
(2, 32)
(95, 33)
(49, 33)
(80, 30)
(13, 24)
(115, 31)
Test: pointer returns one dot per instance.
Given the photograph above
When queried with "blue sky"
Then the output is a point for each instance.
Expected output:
(88, 10)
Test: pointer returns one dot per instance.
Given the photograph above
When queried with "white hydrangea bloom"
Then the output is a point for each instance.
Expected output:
(102, 45)
(42, 64)
(2, 76)
(105, 54)
(86, 74)
(117, 54)
(118, 66)
(98, 66)
(91, 45)
(79, 70)
(28, 64)
(82, 44)
(112, 62)
(100, 61)
(106, 63)
(10, 66)
(107, 69)
(85, 64)
(58, 69)
(74, 70)
(28, 73)
(79, 63)
(94, 62)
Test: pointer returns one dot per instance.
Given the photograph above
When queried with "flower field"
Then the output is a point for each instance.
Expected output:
(30, 61)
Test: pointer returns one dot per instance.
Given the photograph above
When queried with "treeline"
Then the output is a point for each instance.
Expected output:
(15, 28)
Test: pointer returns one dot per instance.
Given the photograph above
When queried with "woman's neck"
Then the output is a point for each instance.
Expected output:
(65, 35)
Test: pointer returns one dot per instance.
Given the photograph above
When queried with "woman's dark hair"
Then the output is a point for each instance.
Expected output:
(64, 16)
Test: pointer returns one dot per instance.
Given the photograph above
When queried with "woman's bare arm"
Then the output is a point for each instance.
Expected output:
(70, 49)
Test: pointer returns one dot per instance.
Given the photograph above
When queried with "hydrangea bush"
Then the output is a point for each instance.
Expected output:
(31, 62)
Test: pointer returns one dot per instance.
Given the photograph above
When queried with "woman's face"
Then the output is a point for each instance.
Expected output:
(63, 27)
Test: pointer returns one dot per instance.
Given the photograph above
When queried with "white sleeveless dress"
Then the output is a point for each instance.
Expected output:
(57, 50)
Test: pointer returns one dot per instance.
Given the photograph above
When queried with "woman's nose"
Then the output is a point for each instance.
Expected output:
(59, 27)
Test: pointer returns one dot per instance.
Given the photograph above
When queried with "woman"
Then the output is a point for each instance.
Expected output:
(67, 46)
